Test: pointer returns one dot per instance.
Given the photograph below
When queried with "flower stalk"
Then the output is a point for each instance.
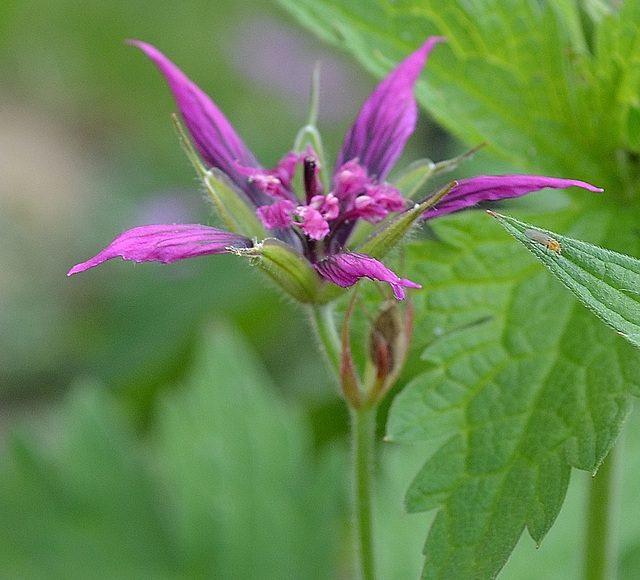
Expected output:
(363, 426)
(324, 325)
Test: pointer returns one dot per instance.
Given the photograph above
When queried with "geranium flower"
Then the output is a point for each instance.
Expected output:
(305, 235)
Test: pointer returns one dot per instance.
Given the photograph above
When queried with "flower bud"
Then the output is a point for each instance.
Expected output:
(386, 332)
(388, 346)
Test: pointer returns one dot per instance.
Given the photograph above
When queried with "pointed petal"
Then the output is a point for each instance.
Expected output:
(166, 243)
(387, 118)
(347, 268)
(215, 138)
(493, 187)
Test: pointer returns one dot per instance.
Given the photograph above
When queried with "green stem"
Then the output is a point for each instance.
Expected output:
(324, 323)
(363, 425)
(601, 549)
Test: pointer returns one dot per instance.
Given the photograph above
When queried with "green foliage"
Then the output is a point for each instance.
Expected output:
(87, 510)
(525, 76)
(225, 486)
(520, 381)
(520, 385)
(604, 281)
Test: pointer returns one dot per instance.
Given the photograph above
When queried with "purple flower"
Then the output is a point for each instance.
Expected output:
(306, 233)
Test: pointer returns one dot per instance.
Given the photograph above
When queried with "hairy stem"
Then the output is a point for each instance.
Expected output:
(324, 324)
(363, 427)
(601, 546)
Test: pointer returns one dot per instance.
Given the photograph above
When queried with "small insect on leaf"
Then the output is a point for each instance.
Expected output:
(543, 239)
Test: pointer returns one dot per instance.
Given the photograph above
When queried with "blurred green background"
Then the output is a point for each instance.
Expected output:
(119, 459)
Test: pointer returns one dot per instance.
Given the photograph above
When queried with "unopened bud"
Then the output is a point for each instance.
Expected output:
(385, 334)
(389, 340)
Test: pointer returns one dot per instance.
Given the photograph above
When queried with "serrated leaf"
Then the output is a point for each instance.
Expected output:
(515, 367)
(606, 282)
(521, 383)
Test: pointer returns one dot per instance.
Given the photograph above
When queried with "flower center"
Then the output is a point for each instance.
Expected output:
(354, 196)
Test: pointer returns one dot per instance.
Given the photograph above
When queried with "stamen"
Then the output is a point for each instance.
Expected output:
(310, 182)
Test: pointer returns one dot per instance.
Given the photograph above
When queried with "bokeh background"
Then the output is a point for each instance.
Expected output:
(105, 407)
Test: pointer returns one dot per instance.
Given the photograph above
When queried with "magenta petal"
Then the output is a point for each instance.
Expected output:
(276, 215)
(215, 138)
(166, 243)
(387, 118)
(347, 268)
(493, 187)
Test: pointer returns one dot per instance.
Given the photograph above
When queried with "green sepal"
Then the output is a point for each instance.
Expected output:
(411, 180)
(232, 205)
(349, 381)
(236, 213)
(190, 152)
(287, 268)
(309, 135)
(392, 232)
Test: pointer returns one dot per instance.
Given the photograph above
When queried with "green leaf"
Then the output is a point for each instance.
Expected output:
(606, 282)
(85, 508)
(521, 383)
(246, 496)
(225, 485)
(506, 63)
